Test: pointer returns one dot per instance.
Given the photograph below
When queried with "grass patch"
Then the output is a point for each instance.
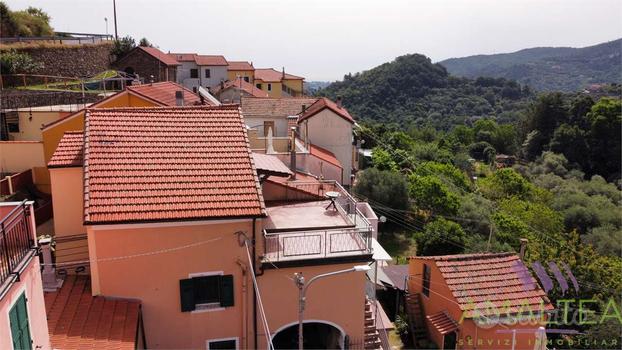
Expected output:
(400, 245)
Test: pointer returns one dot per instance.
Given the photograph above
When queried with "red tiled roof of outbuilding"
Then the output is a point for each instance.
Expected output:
(498, 278)
(271, 75)
(210, 60)
(240, 84)
(324, 155)
(68, 153)
(320, 105)
(159, 55)
(168, 164)
(240, 65)
(78, 320)
(164, 92)
(274, 107)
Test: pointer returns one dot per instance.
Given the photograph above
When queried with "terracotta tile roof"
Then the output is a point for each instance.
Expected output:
(168, 164)
(68, 153)
(240, 84)
(320, 105)
(159, 55)
(210, 60)
(78, 320)
(274, 107)
(183, 57)
(270, 165)
(500, 278)
(324, 155)
(271, 75)
(240, 65)
(442, 322)
(164, 93)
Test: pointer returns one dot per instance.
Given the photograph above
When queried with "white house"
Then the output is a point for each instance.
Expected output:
(200, 70)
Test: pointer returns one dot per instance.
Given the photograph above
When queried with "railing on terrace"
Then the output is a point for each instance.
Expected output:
(322, 243)
(296, 245)
(16, 241)
(61, 38)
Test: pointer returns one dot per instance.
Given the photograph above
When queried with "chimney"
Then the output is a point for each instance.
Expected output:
(48, 275)
(283, 72)
(292, 162)
(304, 108)
(523, 247)
(179, 97)
(339, 101)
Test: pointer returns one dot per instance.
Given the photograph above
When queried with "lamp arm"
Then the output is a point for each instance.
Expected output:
(304, 290)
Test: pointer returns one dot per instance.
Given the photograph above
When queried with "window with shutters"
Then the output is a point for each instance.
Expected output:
(206, 292)
(194, 73)
(208, 73)
(426, 280)
(18, 317)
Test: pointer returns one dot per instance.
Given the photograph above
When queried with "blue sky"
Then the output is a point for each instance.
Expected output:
(325, 39)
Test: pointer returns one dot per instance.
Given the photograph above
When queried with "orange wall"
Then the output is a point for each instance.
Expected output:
(154, 279)
(441, 299)
(338, 299)
(295, 85)
(68, 201)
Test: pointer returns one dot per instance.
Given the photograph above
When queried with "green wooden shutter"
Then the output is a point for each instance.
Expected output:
(226, 290)
(186, 293)
(20, 332)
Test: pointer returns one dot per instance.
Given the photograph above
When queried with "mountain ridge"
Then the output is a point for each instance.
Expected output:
(547, 68)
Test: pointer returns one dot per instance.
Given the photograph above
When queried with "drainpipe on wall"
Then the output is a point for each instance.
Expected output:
(244, 300)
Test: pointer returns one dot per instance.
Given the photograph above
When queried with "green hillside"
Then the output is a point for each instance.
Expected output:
(547, 68)
(411, 90)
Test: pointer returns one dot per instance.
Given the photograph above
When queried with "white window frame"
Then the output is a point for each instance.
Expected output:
(209, 307)
(237, 342)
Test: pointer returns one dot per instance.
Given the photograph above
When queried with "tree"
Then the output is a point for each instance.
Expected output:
(384, 187)
(145, 43)
(544, 116)
(429, 193)
(13, 62)
(441, 237)
(605, 119)
(123, 46)
(505, 183)
(30, 22)
(571, 142)
(382, 160)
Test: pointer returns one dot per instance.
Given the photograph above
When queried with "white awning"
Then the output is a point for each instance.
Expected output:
(379, 254)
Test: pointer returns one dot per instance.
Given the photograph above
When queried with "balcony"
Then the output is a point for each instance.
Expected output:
(313, 229)
(17, 243)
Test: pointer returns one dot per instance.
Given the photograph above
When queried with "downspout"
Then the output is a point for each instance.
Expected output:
(244, 269)
(254, 291)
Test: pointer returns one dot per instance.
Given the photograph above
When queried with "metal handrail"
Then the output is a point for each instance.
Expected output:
(16, 240)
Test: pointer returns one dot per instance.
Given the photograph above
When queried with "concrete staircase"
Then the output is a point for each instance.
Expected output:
(372, 337)
(416, 319)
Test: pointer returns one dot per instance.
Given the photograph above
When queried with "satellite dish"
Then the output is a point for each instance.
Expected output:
(382, 219)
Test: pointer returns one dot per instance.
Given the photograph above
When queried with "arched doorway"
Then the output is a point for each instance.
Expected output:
(316, 335)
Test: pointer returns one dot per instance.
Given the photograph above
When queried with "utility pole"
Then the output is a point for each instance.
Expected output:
(114, 9)
(489, 237)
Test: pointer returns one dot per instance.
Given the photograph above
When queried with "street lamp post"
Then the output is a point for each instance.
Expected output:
(106, 20)
(299, 280)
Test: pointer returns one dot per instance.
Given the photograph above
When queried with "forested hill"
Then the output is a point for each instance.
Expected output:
(547, 68)
(412, 90)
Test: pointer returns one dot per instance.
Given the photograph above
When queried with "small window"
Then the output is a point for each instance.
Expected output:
(258, 86)
(13, 127)
(206, 292)
(246, 79)
(426, 280)
(194, 73)
(208, 73)
(269, 87)
(20, 331)
(224, 344)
